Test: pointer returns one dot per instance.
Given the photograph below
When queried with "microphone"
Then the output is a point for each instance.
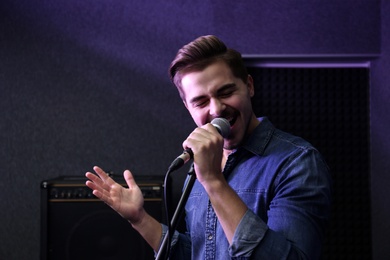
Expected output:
(223, 127)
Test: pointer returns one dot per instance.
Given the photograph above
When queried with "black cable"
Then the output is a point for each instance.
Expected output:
(167, 200)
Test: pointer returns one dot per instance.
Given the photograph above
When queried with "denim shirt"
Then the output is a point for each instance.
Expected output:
(285, 184)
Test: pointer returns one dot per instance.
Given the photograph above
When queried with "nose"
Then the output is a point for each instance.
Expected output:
(216, 107)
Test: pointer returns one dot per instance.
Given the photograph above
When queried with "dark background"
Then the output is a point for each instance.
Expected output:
(85, 83)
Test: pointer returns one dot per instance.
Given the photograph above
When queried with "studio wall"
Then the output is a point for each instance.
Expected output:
(85, 83)
(380, 141)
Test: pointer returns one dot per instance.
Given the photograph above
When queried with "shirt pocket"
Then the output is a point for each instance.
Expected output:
(255, 200)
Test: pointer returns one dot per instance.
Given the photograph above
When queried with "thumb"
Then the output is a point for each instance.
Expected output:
(129, 179)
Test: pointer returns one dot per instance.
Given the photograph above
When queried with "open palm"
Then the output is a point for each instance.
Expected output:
(128, 202)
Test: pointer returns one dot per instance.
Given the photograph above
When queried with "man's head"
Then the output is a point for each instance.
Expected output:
(202, 52)
(213, 82)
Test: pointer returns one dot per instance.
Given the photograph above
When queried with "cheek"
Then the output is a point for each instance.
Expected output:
(198, 116)
(238, 103)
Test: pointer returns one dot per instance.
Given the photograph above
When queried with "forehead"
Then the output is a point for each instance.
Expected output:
(213, 76)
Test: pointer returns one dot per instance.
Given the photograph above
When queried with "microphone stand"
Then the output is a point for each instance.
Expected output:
(178, 213)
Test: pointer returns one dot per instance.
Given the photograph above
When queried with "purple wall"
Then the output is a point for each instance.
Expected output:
(85, 83)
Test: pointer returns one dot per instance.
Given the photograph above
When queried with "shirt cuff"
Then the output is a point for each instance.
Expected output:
(249, 233)
(174, 240)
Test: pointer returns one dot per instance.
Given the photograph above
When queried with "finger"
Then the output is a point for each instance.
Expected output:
(198, 138)
(99, 171)
(129, 179)
(93, 178)
(92, 184)
(194, 137)
(99, 188)
(95, 184)
(99, 192)
(211, 129)
(104, 176)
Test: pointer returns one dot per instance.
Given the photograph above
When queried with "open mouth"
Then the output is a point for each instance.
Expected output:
(232, 119)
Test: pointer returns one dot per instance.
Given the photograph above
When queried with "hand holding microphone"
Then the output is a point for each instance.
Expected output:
(223, 127)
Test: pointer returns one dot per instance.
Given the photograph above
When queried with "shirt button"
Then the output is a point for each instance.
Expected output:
(210, 237)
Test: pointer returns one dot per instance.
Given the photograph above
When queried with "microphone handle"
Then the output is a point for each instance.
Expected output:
(181, 160)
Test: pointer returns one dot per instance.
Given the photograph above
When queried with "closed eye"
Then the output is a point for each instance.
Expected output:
(224, 92)
(201, 103)
(227, 90)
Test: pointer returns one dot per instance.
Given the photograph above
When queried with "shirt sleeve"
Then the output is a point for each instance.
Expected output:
(245, 241)
(296, 217)
(180, 244)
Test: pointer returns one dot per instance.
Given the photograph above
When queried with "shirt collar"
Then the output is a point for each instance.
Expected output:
(260, 137)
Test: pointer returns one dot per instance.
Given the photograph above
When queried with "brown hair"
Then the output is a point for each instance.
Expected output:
(200, 53)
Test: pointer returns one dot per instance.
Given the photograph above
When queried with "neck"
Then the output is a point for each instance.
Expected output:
(225, 156)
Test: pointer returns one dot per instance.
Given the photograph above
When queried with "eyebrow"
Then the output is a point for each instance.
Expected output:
(219, 91)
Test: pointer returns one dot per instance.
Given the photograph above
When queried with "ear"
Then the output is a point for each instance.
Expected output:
(251, 87)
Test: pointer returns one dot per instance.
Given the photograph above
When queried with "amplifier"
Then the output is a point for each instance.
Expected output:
(77, 225)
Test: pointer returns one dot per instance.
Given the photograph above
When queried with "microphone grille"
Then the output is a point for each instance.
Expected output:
(222, 126)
